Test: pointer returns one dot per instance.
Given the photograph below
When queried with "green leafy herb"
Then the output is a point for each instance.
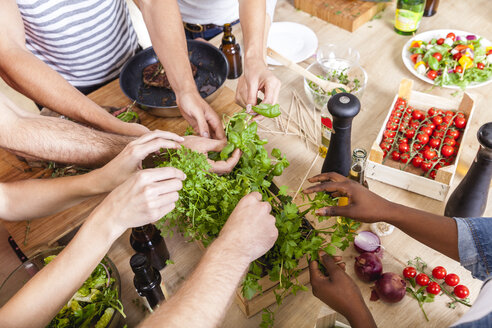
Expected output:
(267, 110)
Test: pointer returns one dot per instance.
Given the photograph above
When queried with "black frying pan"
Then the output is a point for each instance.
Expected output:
(211, 74)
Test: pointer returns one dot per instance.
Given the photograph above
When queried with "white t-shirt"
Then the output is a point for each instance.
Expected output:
(217, 12)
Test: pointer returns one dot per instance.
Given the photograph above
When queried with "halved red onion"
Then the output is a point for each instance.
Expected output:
(366, 241)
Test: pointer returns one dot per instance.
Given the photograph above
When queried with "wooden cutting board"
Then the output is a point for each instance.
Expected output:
(347, 14)
(46, 231)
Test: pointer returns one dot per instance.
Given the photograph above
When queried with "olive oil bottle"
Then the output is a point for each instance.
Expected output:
(408, 16)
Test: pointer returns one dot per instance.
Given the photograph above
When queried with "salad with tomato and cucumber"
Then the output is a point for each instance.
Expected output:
(452, 59)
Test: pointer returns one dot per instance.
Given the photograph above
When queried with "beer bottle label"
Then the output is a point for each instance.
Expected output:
(407, 20)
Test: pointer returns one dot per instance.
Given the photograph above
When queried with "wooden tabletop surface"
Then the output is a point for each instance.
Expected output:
(380, 54)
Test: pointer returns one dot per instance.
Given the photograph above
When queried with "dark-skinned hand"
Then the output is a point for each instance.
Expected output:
(363, 205)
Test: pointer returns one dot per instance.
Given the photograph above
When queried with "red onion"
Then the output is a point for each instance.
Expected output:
(368, 267)
(390, 287)
(471, 37)
(107, 274)
(458, 38)
(366, 241)
(450, 71)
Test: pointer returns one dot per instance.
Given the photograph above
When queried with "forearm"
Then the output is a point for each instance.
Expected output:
(59, 140)
(252, 16)
(436, 231)
(163, 21)
(48, 196)
(205, 296)
(36, 80)
(46, 293)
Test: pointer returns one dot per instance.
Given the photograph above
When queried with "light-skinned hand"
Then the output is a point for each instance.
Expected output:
(250, 230)
(363, 205)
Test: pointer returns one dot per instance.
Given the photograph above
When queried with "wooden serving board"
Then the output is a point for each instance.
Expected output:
(347, 14)
(47, 231)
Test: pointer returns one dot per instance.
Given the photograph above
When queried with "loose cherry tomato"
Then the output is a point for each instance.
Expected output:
(417, 161)
(434, 142)
(458, 69)
(433, 288)
(431, 111)
(414, 58)
(409, 272)
(460, 122)
(410, 133)
(404, 158)
(431, 74)
(417, 115)
(395, 155)
(422, 279)
(427, 130)
(403, 147)
(480, 65)
(430, 154)
(437, 56)
(461, 291)
(439, 272)
(457, 57)
(451, 36)
(437, 120)
(423, 138)
(454, 134)
(426, 166)
(447, 151)
(440, 41)
(452, 279)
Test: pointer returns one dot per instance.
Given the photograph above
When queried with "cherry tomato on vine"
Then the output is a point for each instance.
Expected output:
(439, 272)
(410, 133)
(447, 151)
(461, 291)
(401, 102)
(449, 141)
(423, 138)
(433, 288)
(426, 166)
(447, 119)
(414, 125)
(460, 122)
(409, 272)
(426, 130)
(431, 125)
(431, 111)
(404, 158)
(392, 126)
(433, 174)
(437, 56)
(458, 69)
(454, 134)
(417, 115)
(480, 65)
(452, 279)
(422, 279)
(430, 154)
(437, 120)
(449, 113)
(438, 134)
(395, 155)
(451, 36)
(417, 146)
(403, 147)
(417, 161)
(431, 74)
(385, 146)
(389, 134)
(434, 142)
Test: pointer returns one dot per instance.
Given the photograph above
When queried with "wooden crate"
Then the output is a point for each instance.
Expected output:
(347, 14)
(410, 179)
(266, 298)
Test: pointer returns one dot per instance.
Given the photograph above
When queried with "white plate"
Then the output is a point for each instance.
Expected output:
(429, 35)
(294, 41)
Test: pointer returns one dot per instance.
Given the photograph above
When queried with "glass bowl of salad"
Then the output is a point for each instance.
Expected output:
(336, 70)
(101, 290)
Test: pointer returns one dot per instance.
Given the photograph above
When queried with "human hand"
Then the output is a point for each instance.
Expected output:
(135, 129)
(250, 229)
(129, 160)
(257, 77)
(204, 145)
(337, 290)
(144, 198)
(200, 115)
(363, 205)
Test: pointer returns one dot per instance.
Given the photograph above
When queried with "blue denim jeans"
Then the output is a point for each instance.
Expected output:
(475, 251)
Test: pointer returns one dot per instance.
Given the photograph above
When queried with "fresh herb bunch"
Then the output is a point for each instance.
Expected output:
(206, 201)
(93, 305)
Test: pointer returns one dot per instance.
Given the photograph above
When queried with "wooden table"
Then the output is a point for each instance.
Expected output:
(380, 50)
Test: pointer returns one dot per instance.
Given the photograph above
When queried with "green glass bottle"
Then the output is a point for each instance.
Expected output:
(408, 16)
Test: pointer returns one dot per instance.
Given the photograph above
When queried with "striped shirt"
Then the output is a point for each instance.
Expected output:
(86, 41)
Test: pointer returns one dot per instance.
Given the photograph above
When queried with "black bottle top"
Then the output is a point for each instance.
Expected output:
(147, 280)
(469, 199)
(343, 107)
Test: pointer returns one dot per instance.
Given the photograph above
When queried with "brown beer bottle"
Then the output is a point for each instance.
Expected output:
(147, 281)
(431, 7)
(232, 52)
(148, 241)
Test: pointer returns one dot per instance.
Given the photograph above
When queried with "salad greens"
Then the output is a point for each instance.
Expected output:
(94, 303)
(207, 199)
(453, 60)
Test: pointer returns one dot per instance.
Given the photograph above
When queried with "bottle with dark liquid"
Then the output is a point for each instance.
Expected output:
(343, 107)
(357, 170)
(148, 241)
(232, 51)
(147, 280)
(469, 199)
(431, 7)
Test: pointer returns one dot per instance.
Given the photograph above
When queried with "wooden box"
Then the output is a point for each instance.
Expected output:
(410, 179)
(347, 14)
(267, 297)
